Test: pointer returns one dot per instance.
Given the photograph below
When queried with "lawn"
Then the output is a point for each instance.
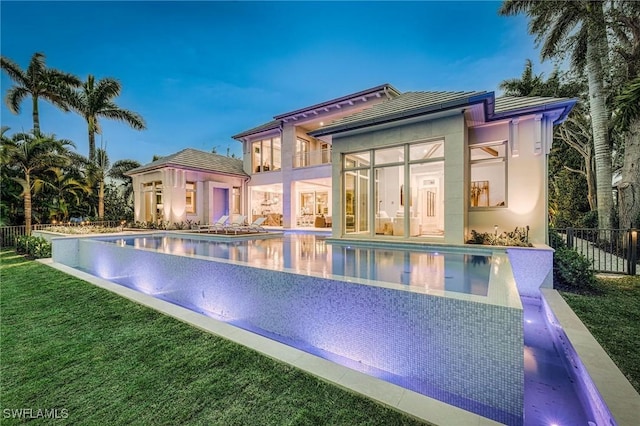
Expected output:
(100, 359)
(612, 314)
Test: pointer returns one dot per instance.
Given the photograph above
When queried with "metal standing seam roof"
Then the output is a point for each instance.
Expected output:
(271, 125)
(411, 104)
(405, 105)
(196, 160)
(274, 124)
(507, 105)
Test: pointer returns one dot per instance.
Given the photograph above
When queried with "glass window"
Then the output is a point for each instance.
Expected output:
(190, 201)
(360, 159)
(406, 197)
(356, 201)
(389, 155)
(302, 153)
(266, 155)
(235, 206)
(426, 151)
(390, 197)
(153, 206)
(488, 175)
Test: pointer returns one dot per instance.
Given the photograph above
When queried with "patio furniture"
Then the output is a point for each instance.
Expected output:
(256, 225)
(218, 225)
(236, 225)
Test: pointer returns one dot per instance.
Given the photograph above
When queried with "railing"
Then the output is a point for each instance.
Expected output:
(8, 234)
(608, 250)
(312, 158)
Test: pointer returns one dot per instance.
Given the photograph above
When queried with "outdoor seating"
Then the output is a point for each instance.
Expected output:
(218, 225)
(256, 225)
(236, 225)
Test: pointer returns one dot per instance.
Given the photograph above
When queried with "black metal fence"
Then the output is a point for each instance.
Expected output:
(8, 234)
(608, 250)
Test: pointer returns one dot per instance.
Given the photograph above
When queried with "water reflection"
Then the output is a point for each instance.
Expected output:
(312, 255)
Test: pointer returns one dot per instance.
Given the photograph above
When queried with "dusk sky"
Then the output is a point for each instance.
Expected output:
(200, 72)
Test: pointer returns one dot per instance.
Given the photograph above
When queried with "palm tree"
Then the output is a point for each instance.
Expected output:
(37, 81)
(95, 100)
(30, 154)
(579, 27)
(118, 171)
(101, 167)
(63, 187)
(629, 187)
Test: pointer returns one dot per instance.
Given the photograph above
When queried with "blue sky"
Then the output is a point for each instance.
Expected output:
(200, 72)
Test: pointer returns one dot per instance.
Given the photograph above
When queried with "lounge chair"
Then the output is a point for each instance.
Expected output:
(218, 225)
(256, 225)
(236, 225)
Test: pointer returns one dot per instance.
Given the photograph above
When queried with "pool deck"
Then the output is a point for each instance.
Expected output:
(621, 398)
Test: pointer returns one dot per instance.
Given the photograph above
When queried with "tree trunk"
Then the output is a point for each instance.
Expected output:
(629, 187)
(591, 182)
(101, 200)
(92, 146)
(36, 116)
(599, 125)
(27, 203)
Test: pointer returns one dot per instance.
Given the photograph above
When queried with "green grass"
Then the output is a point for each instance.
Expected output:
(612, 314)
(66, 344)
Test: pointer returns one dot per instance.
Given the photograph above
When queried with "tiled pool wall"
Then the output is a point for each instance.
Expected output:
(464, 348)
(532, 269)
(590, 396)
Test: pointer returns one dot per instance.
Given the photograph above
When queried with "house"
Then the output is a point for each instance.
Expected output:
(383, 164)
(190, 185)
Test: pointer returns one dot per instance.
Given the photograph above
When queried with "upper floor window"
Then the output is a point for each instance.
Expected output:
(267, 155)
(190, 200)
(302, 153)
(488, 186)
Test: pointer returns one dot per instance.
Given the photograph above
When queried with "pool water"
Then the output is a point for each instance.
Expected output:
(308, 254)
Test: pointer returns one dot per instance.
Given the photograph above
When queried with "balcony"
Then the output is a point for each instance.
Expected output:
(312, 158)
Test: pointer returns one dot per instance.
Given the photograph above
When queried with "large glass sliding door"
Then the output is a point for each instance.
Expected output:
(356, 193)
(405, 198)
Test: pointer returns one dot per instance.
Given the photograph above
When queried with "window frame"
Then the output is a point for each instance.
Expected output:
(191, 208)
(501, 159)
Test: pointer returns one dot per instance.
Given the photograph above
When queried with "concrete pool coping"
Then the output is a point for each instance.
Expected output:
(412, 403)
(621, 398)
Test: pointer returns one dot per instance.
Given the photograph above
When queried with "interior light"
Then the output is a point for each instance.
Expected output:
(322, 123)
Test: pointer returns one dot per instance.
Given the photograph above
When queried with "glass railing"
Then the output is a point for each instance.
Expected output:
(312, 158)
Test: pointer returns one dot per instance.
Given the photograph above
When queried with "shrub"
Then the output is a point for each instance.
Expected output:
(36, 247)
(555, 240)
(519, 237)
(589, 220)
(572, 270)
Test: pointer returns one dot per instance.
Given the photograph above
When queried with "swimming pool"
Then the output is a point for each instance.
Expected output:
(447, 324)
(460, 342)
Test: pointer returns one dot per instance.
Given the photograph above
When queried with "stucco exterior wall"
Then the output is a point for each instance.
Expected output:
(526, 183)
(174, 193)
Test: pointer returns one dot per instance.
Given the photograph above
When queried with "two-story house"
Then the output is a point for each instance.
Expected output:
(381, 164)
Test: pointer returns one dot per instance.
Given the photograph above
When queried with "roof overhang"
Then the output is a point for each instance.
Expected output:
(484, 98)
(383, 91)
(561, 108)
(153, 168)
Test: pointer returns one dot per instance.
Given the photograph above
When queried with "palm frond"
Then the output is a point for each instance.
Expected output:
(120, 167)
(14, 98)
(13, 70)
(132, 118)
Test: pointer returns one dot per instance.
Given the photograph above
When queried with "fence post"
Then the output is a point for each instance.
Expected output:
(570, 237)
(632, 257)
